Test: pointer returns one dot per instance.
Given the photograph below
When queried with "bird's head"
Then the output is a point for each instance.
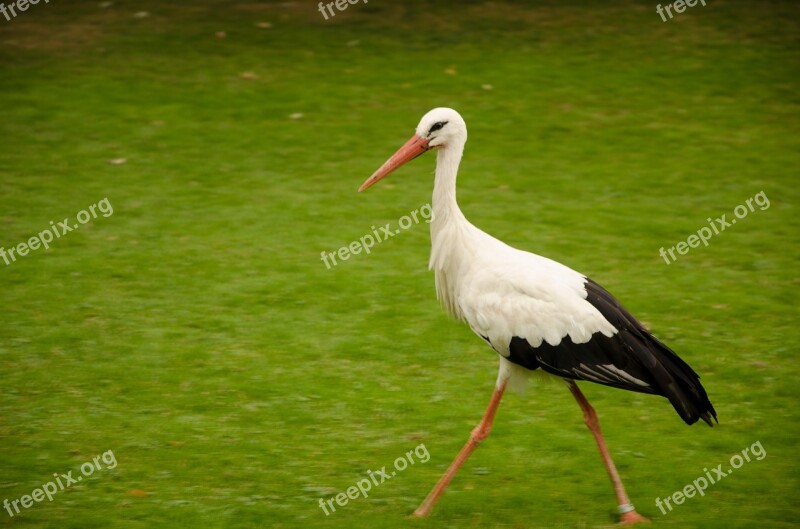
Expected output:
(438, 129)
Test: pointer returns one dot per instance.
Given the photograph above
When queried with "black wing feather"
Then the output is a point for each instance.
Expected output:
(632, 359)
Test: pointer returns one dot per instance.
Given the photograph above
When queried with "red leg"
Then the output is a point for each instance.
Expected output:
(628, 515)
(478, 434)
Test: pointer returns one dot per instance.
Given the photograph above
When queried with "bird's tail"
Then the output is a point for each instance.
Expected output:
(681, 385)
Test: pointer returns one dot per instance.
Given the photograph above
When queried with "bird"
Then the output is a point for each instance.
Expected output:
(542, 318)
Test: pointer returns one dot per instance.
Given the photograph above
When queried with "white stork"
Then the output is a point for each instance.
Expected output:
(540, 316)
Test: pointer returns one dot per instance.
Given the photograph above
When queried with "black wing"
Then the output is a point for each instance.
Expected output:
(632, 359)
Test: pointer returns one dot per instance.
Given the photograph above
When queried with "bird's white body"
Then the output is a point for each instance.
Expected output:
(539, 315)
(536, 313)
(502, 292)
(498, 290)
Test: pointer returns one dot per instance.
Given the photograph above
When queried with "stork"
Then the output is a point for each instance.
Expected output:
(540, 316)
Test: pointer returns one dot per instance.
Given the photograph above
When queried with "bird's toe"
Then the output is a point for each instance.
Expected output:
(632, 518)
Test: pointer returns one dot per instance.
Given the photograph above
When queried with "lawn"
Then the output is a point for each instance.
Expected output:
(195, 336)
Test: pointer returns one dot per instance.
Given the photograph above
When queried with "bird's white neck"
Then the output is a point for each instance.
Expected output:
(450, 230)
(444, 205)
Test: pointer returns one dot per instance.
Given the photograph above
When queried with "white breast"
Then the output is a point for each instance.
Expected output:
(502, 292)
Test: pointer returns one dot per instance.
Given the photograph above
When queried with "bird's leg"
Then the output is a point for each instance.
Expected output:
(478, 434)
(628, 515)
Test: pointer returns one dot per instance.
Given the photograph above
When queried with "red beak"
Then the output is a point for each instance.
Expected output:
(413, 148)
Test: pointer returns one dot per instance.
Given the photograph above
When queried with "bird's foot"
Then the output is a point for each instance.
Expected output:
(632, 518)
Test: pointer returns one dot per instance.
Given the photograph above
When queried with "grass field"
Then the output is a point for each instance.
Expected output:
(196, 333)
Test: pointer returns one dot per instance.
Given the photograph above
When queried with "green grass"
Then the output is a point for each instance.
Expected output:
(198, 335)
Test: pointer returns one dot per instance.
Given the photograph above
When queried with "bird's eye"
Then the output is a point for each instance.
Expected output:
(437, 126)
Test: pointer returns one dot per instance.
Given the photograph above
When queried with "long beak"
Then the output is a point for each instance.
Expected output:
(413, 148)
